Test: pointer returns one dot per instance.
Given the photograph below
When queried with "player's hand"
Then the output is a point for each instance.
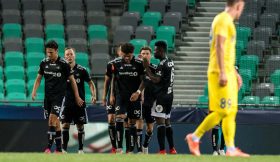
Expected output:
(223, 79)
(93, 100)
(134, 96)
(79, 101)
(145, 62)
(112, 100)
(239, 81)
(33, 95)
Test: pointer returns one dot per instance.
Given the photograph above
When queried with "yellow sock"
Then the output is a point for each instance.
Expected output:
(208, 123)
(228, 127)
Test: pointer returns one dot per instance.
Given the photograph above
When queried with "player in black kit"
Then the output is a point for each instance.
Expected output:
(71, 112)
(128, 73)
(163, 90)
(56, 72)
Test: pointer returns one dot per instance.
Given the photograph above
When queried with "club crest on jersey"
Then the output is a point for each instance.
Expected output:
(159, 108)
(78, 80)
(109, 107)
(58, 74)
(117, 108)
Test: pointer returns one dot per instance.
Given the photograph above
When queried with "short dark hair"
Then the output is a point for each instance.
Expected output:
(127, 48)
(146, 48)
(162, 45)
(232, 2)
(52, 44)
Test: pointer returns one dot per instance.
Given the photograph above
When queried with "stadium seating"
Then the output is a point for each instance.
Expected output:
(138, 44)
(137, 6)
(203, 102)
(14, 59)
(152, 19)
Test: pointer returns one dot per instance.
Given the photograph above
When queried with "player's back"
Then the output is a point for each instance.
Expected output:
(222, 25)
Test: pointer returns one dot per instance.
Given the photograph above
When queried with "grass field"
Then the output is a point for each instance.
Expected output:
(40, 157)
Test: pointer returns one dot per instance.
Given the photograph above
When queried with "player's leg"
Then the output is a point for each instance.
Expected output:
(132, 132)
(81, 137)
(51, 125)
(215, 139)
(66, 117)
(112, 127)
(161, 131)
(149, 127)
(222, 146)
(58, 140)
(65, 136)
(120, 116)
(56, 107)
(169, 136)
(139, 127)
(126, 134)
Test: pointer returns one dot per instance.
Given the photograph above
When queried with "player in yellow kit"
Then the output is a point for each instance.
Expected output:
(223, 80)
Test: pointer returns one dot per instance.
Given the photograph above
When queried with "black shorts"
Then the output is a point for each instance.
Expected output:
(147, 114)
(53, 106)
(110, 109)
(162, 106)
(72, 113)
(133, 110)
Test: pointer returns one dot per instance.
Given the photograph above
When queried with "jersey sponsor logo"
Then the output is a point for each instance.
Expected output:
(52, 64)
(128, 73)
(54, 74)
(159, 108)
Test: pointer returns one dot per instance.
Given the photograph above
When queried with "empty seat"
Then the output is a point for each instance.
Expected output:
(144, 32)
(1, 73)
(13, 59)
(1, 87)
(138, 44)
(248, 20)
(203, 102)
(272, 64)
(250, 62)
(12, 31)
(11, 16)
(13, 44)
(167, 33)
(97, 32)
(158, 6)
(152, 19)
(270, 100)
(32, 17)
(256, 48)
(15, 85)
(52, 5)
(54, 31)
(173, 19)
(275, 78)
(14, 72)
(272, 6)
(31, 5)
(254, 6)
(94, 5)
(75, 17)
(251, 100)
(122, 34)
(32, 72)
(247, 77)
(16, 96)
(34, 58)
(80, 45)
(137, 6)
(53, 17)
(73, 5)
(269, 20)
(96, 18)
(98, 64)
(10, 4)
(32, 30)
(82, 59)
(99, 46)
(263, 34)
(41, 88)
(243, 34)
(263, 89)
(34, 45)
(76, 31)
(130, 18)
(179, 6)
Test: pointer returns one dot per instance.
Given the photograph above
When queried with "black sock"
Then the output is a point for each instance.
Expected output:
(112, 134)
(51, 136)
(58, 141)
(161, 131)
(139, 140)
(81, 137)
(65, 138)
(222, 142)
(215, 138)
(127, 139)
(133, 136)
(148, 137)
(119, 130)
(169, 136)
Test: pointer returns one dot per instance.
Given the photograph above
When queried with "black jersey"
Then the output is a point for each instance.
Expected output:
(56, 75)
(165, 70)
(127, 76)
(81, 76)
(149, 95)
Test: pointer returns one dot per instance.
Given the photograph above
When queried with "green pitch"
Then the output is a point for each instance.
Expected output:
(40, 157)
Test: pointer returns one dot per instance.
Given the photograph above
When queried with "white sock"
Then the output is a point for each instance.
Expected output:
(231, 148)
(195, 138)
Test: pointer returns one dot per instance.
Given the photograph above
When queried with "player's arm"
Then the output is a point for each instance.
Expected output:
(92, 91)
(239, 79)
(136, 94)
(36, 85)
(74, 86)
(105, 89)
(112, 92)
(154, 78)
(220, 41)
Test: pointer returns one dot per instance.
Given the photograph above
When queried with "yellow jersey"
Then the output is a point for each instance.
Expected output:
(223, 25)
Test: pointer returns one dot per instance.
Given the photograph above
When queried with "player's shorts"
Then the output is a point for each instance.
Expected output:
(223, 99)
(52, 105)
(147, 114)
(72, 113)
(110, 109)
(162, 106)
(133, 110)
